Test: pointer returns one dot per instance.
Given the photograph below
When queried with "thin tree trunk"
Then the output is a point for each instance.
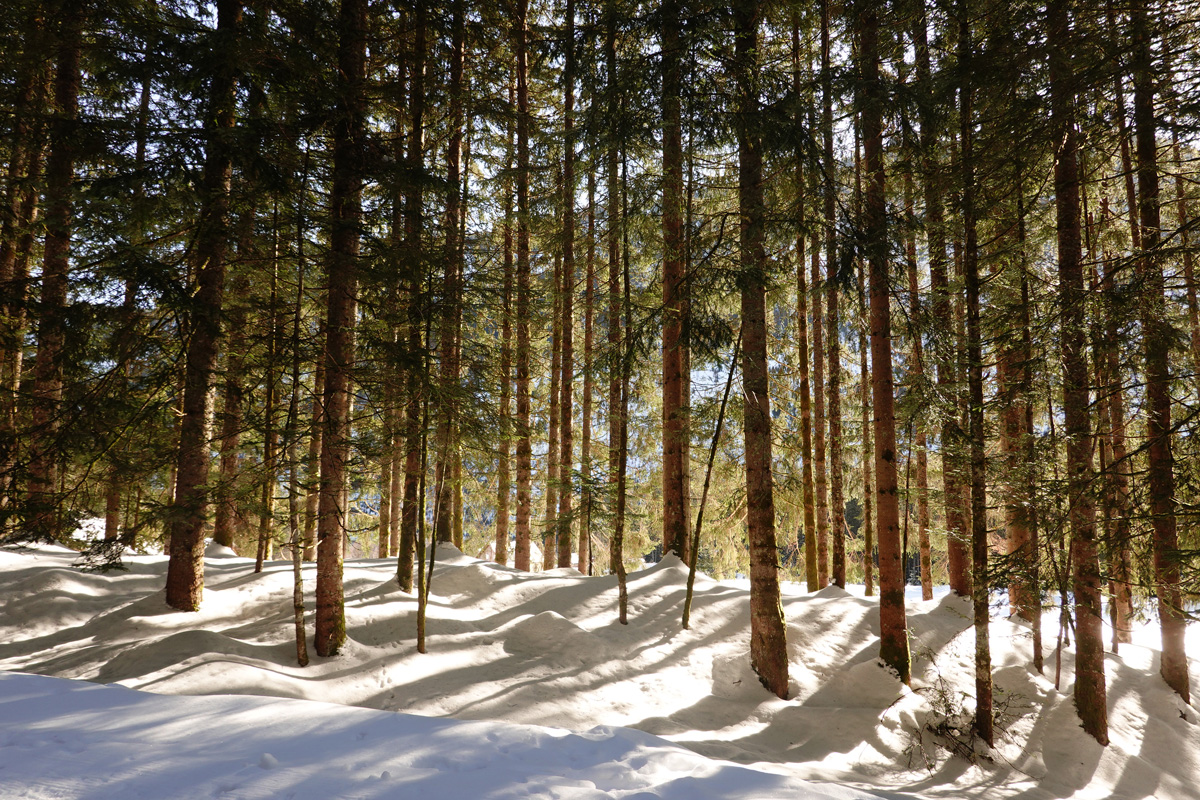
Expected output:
(349, 144)
(1156, 341)
(524, 445)
(585, 445)
(416, 407)
(917, 382)
(185, 568)
(1090, 692)
(979, 533)
(818, 324)
(768, 648)
(504, 467)
(616, 543)
(893, 639)
(935, 228)
(446, 415)
(550, 526)
(567, 294)
(868, 457)
(806, 422)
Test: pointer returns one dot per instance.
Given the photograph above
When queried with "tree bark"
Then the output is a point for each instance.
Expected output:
(1156, 341)
(1090, 699)
(674, 288)
(935, 230)
(979, 533)
(893, 639)
(185, 568)
(768, 648)
(524, 445)
(806, 422)
(504, 467)
(414, 411)
(349, 145)
(567, 294)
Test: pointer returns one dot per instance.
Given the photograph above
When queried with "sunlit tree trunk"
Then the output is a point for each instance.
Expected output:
(768, 649)
(893, 639)
(349, 145)
(185, 568)
(524, 445)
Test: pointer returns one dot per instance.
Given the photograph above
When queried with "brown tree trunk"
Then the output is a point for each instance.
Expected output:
(550, 528)
(413, 229)
(917, 379)
(567, 293)
(893, 629)
(43, 516)
(868, 451)
(185, 568)
(806, 423)
(585, 445)
(675, 538)
(524, 445)
(616, 543)
(768, 648)
(504, 467)
(979, 532)
(445, 447)
(349, 144)
(1090, 693)
(935, 227)
(23, 181)
(1156, 341)
(818, 317)
(266, 521)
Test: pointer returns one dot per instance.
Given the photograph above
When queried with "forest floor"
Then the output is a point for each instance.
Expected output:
(531, 688)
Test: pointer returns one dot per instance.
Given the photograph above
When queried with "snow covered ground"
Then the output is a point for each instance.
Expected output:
(531, 689)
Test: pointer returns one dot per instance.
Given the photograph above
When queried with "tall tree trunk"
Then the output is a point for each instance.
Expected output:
(1156, 341)
(44, 517)
(768, 649)
(868, 455)
(415, 409)
(818, 317)
(349, 145)
(504, 467)
(917, 379)
(935, 228)
(270, 434)
(1090, 699)
(613, 216)
(185, 568)
(806, 437)
(585, 445)
(550, 529)
(524, 445)
(893, 630)
(312, 487)
(23, 182)
(979, 531)
(446, 447)
(674, 288)
(567, 293)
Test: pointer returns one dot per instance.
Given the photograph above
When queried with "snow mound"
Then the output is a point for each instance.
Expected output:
(552, 636)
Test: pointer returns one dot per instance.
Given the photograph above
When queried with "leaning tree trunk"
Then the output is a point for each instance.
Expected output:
(185, 569)
(349, 145)
(768, 648)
